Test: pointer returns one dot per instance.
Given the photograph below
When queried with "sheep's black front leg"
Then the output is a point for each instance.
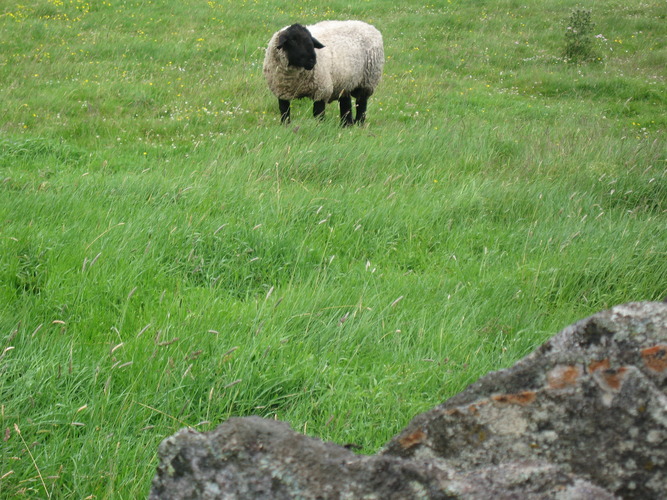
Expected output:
(360, 104)
(283, 104)
(318, 109)
(345, 103)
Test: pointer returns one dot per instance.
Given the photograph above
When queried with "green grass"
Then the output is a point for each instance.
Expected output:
(171, 256)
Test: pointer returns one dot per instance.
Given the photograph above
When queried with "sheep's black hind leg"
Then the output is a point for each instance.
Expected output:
(360, 104)
(318, 109)
(284, 110)
(345, 103)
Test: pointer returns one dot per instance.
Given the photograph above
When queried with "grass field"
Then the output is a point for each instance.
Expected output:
(171, 256)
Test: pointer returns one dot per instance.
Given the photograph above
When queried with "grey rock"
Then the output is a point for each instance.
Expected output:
(591, 400)
(247, 458)
(524, 481)
(583, 417)
(255, 458)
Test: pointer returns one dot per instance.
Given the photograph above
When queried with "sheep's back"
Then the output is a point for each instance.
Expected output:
(353, 54)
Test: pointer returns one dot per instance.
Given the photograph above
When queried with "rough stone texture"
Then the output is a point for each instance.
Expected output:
(583, 417)
(255, 458)
(592, 400)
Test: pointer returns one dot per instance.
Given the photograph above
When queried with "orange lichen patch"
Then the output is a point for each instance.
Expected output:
(614, 378)
(520, 398)
(655, 358)
(563, 376)
(413, 439)
(602, 364)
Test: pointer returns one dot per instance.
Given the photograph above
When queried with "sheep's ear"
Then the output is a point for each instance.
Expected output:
(317, 44)
(281, 42)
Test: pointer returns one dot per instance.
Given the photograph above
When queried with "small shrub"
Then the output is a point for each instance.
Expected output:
(579, 37)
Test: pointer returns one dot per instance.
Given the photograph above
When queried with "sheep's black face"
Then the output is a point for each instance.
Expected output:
(299, 46)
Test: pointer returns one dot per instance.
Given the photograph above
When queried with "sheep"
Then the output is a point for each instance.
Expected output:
(327, 61)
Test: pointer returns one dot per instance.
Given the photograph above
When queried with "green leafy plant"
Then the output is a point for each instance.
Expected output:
(579, 37)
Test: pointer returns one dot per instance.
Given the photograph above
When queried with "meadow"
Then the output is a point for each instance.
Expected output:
(171, 256)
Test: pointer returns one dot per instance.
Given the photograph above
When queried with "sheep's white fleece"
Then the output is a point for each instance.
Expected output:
(352, 58)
